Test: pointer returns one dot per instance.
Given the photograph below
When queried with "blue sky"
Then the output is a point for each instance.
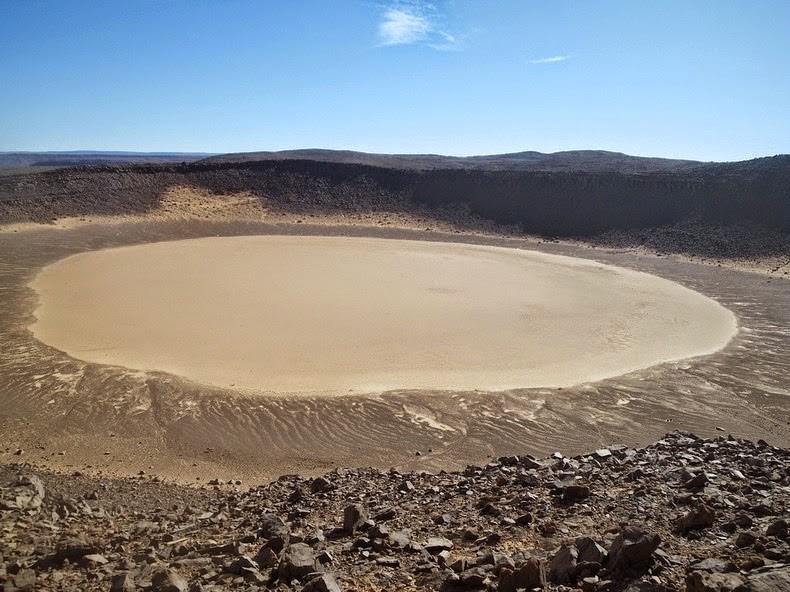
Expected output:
(708, 80)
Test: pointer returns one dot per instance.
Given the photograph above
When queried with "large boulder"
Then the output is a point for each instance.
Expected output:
(526, 575)
(632, 549)
(74, 549)
(562, 569)
(297, 562)
(275, 532)
(589, 551)
(25, 493)
(167, 580)
(354, 516)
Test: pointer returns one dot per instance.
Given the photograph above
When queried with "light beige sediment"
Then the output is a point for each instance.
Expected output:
(285, 314)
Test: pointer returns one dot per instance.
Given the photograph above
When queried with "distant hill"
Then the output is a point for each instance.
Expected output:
(567, 193)
(599, 161)
(18, 160)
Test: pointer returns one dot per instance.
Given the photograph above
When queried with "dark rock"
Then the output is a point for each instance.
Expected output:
(123, 583)
(702, 516)
(487, 558)
(589, 551)
(778, 529)
(586, 569)
(713, 564)
(266, 557)
(406, 486)
(252, 574)
(361, 543)
(384, 515)
(729, 527)
(321, 485)
(524, 519)
(297, 562)
(354, 516)
(275, 532)
(225, 549)
(775, 554)
(745, 539)
(436, 545)
(210, 536)
(575, 493)
(451, 583)
(473, 578)
(74, 549)
(167, 580)
(526, 575)
(504, 562)
(177, 533)
(632, 549)
(743, 520)
(529, 573)
(323, 583)
(562, 569)
(696, 482)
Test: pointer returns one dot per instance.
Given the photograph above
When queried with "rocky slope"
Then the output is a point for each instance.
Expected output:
(561, 201)
(682, 514)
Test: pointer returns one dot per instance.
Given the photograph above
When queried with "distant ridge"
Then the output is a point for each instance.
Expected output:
(572, 161)
(60, 158)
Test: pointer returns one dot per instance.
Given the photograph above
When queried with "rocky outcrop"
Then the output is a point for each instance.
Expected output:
(646, 522)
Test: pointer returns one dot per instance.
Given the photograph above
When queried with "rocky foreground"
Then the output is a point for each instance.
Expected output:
(682, 514)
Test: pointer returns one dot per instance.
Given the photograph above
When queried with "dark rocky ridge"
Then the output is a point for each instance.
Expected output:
(575, 160)
(682, 514)
(554, 200)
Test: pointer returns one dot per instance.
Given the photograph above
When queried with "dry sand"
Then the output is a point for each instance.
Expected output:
(69, 414)
(285, 314)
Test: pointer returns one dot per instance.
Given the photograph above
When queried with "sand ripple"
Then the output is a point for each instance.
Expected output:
(51, 403)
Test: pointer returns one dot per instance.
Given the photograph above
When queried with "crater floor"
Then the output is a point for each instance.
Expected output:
(300, 314)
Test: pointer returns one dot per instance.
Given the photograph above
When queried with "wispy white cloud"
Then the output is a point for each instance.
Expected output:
(550, 60)
(414, 22)
(403, 27)
(446, 42)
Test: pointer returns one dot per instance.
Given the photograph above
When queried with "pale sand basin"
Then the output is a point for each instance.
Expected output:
(289, 314)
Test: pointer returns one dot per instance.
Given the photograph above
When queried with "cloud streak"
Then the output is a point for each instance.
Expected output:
(414, 23)
(402, 27)
(550, 60)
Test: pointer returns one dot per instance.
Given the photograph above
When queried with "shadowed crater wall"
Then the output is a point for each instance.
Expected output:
(580, 194)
